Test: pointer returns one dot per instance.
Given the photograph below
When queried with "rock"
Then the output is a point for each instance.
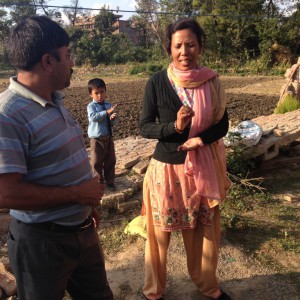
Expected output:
(130, 162)
(278, 132)
(7, 281)
(141, 167)
(291, 198)
(123, 207)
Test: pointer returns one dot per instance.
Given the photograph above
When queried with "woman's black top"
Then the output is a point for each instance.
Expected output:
(159, 112)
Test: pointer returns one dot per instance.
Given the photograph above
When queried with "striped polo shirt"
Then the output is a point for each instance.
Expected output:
(43, 142)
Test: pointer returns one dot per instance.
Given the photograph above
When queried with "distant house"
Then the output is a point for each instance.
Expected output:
(125, 27)
(88, 23)
(85, 22)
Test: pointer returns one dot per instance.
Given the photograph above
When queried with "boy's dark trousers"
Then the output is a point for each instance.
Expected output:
(103, 158)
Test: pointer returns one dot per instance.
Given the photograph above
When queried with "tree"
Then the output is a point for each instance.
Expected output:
(145, 36)
(25, 8)
(105, 22)
(88, 50)
(72, 13)
(4, 25)
(4, 29)
(230, 29)
(150, 22)
(76, 34)
(117, 49)
(291, 29)
(180, 8)
(22, 9)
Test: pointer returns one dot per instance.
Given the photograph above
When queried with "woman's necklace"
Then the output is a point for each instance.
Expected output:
(188, 97)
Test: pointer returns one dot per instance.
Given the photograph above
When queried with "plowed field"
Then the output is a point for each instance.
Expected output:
(247, 98)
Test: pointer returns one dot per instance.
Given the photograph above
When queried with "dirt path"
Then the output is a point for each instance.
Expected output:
(242, 276)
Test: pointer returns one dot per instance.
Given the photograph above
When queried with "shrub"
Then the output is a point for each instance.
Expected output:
(147, 69)
(137, 69)
(237, 163)
(153, 68)
(289, 103)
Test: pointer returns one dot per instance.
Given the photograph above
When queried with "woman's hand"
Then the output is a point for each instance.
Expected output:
(191, 144)
(184, 117)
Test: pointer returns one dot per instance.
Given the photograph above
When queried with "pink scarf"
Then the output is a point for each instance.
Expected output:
(201, 163)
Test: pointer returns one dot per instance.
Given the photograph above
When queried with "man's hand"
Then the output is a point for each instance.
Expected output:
(90, 192)
(96, 217)
(17, 194)
(113, 116)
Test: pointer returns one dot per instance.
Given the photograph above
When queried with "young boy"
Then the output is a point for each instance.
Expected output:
(101, 118)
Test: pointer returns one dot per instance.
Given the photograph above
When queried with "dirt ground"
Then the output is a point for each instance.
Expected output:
(241, 275)
(247, 98)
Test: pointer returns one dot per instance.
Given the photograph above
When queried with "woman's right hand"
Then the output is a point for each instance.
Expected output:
(184, 117)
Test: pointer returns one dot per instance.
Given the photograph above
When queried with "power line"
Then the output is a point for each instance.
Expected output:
(194, 14)
(65, 7)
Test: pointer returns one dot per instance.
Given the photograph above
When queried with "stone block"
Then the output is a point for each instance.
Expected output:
(271, 152)
(112, 200)
(134, 204)
(129, 192)
(146, 155)
(130, 162)
(291, 198)
(141, 167)
(278, 132)
(120, 171)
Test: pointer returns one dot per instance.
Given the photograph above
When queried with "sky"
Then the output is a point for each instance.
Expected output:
(127, 5)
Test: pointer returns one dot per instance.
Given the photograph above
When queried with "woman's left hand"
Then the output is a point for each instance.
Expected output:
(191, 144)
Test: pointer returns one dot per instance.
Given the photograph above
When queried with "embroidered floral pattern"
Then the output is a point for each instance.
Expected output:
(174, 200)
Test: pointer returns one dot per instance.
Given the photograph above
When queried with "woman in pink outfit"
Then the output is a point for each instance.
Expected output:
(184, 108)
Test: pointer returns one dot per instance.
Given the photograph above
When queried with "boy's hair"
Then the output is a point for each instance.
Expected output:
(96, 83)
(32, 38)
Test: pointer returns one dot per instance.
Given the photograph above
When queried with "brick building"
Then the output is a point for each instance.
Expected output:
(88, 23)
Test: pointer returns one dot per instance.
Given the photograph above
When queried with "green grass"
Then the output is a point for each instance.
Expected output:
(289, 103)
(114, 238)
(263, 225)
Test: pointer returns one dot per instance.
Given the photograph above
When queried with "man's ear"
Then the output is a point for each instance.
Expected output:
(47, 61)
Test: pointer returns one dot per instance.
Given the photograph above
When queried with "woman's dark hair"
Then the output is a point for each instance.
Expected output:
(96, 83)
(184, 24)
(32, 38)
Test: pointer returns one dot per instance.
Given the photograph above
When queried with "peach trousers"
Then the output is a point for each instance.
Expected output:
(202, 249)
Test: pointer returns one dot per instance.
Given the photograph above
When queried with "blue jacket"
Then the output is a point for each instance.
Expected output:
(99, 122)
